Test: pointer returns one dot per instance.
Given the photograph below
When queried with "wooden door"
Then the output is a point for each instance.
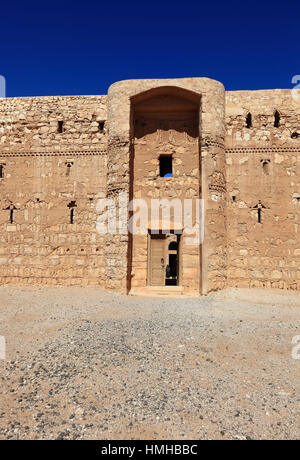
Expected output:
(157, 261)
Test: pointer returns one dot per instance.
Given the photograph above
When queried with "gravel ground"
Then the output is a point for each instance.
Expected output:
(87, 364)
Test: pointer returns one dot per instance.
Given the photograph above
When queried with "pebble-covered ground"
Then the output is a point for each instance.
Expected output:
(86, 364)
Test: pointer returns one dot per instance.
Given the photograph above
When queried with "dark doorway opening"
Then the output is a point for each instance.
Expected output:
(172, 280)
(172, 268)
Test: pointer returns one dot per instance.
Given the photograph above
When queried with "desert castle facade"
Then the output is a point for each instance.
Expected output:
(236, 152)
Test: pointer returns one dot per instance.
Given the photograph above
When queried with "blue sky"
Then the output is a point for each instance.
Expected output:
(71, 47)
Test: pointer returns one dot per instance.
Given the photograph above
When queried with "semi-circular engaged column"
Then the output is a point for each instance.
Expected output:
(213, 188)
(118, 181)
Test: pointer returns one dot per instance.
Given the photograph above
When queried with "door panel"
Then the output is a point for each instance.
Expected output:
(157, 263)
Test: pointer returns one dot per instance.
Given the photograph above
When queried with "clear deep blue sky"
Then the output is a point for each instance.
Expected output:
(72, 47)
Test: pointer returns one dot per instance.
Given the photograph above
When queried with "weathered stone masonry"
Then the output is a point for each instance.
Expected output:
(43, 172)
(238, 151)
(263, 166)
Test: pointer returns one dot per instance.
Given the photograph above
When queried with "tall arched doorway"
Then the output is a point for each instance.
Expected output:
(165, 168)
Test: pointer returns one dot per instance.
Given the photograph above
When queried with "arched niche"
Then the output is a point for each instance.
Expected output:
(165, 108)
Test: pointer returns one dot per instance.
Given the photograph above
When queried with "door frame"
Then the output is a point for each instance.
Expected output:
(179, 254)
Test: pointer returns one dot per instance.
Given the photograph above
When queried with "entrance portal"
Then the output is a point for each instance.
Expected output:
(164, 266)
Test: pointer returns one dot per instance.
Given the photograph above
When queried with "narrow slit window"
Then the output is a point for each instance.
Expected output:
(1, 171)
(165, 166)
(249, 120)
(60, 126)
(72, 205)
(11, 208)
(101, 126)
(259, 207)
(69, 165)
(266, 166)
(259, 215)
(276, 119)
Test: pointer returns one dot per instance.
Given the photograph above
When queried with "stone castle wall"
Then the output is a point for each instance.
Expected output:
(46, 174)
(48, 178)
(263, 169)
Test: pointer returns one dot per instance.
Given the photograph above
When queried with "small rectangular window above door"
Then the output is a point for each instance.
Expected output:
(166, 166)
